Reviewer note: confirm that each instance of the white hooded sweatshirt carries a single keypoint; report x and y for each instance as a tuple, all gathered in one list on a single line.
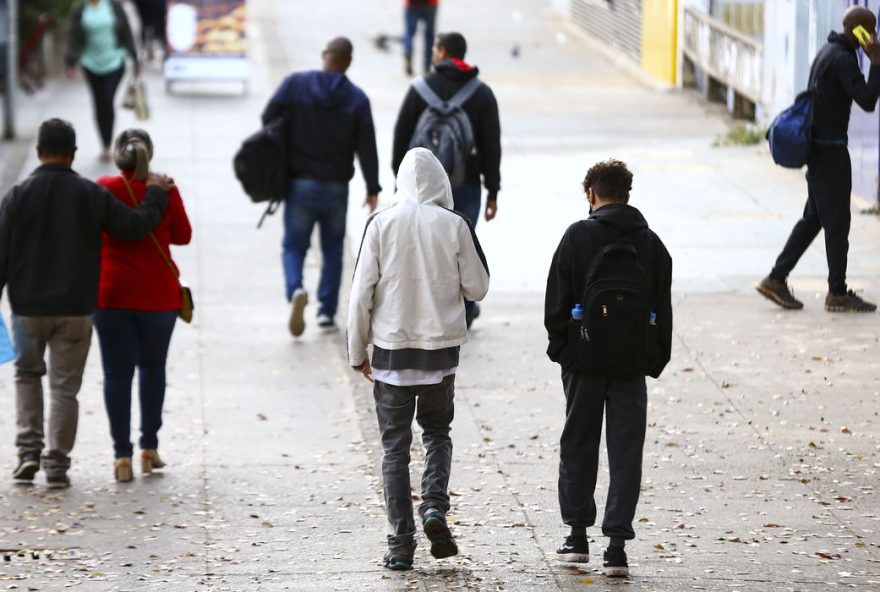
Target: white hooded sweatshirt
[(418, 262)]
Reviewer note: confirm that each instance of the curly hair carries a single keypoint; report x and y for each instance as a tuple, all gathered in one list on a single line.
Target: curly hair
[(610, 179)]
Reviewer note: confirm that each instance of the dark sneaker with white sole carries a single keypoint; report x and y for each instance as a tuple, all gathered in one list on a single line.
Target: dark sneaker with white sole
[(778, 292), (397, 563), (849, 302), (442, 543), (614, 563), (574, 550), (58, 481), (28, 466), (326, 324)]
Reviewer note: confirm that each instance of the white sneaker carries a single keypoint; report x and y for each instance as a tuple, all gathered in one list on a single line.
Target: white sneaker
[(297, 323), (327, 324)]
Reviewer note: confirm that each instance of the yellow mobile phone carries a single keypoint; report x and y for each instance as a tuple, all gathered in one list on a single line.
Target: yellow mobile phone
[(862, 35)]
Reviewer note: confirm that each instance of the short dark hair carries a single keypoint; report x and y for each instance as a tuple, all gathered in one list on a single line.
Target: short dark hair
[(454, 44), (610, 179), (56, 138)]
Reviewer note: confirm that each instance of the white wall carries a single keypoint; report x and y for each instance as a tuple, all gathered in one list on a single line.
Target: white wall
[(563, 6)]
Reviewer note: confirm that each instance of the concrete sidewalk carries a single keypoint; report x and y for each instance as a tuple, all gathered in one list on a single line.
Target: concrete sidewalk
[(761, 458)]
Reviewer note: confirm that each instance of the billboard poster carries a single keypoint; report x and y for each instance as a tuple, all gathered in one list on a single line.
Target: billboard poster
[(206, 40)]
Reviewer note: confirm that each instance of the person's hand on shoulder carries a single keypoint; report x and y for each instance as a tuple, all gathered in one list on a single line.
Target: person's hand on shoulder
[(160, 180)]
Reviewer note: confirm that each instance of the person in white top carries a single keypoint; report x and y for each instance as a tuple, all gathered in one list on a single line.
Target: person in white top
[(418, 262)]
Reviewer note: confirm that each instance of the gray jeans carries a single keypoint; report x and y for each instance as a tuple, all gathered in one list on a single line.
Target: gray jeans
[(432, 406), (68, 340)]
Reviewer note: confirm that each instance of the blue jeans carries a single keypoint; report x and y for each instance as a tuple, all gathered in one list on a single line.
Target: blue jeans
[(413, 15), (129, 339), (466, 199), (324, 203)]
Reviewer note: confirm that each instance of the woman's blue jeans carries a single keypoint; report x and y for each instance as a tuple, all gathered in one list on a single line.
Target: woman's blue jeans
[(324, 203), (132, 339)]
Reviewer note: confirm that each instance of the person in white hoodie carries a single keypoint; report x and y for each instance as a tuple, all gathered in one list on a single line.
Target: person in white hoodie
[(418, 262)]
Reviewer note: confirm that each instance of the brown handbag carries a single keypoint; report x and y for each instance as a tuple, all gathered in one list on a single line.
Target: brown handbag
[(187, 306)]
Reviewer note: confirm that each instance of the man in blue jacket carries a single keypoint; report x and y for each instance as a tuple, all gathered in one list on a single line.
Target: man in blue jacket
[(330, 121), (837, 81), (50, 258)]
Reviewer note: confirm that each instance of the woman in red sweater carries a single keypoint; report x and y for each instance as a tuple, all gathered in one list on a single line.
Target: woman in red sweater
[(138, 300)]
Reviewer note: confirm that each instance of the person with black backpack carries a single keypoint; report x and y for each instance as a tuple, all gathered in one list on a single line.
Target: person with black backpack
[(455, 115), (608, 314), (328, 120)]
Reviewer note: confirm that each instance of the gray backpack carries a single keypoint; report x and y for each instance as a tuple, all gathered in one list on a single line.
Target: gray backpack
[(445, 129)]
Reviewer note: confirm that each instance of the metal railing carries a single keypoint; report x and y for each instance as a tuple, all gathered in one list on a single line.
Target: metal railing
[(725, 54)]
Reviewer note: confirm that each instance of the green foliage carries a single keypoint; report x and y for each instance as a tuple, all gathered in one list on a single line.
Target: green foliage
[(742, 135)]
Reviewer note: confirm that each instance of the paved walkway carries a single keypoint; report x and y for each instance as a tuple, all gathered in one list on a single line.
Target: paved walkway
[(761, 459)]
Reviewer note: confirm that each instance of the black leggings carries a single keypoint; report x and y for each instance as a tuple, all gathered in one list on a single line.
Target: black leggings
[(103, 87)]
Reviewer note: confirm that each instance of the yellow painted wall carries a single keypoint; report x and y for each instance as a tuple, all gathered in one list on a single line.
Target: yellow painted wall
[(660, 38)]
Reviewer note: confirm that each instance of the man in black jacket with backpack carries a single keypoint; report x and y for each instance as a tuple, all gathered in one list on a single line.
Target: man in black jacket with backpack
[(608, 314), (451, 76), (836, 81)]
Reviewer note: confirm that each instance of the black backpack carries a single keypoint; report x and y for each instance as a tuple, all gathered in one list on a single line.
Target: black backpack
[(618, 314), (261, 165), (445, 129)]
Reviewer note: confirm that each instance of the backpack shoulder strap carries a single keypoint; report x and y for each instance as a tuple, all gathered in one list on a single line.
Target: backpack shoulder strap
[(420, 85), (465, 93)]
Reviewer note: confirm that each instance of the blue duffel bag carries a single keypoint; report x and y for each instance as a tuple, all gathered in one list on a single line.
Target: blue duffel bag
[(790, 133)]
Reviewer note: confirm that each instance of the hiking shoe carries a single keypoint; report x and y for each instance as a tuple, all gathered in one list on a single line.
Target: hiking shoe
[(442, 543), (122, 469), (574, 550), (58, 481), (779, 293), (326, 324), (28, 465), (849, 302), (614, 563), (297, 323), (397, 563)]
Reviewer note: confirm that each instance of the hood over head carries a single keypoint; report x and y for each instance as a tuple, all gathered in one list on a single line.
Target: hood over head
[(841, 39), (621, 216), (422, 179), (456, 69)]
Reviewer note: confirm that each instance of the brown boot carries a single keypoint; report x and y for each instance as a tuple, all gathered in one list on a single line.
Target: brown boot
[(849, 302), (122, 469), (150, 460)]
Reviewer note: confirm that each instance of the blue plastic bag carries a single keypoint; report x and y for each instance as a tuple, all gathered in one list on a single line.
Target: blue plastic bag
[(7, 352), (790, 133)]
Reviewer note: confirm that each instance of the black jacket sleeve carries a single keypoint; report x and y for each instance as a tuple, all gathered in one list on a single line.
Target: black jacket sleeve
[(5, 237), (865, 94), (278, 104), (124, 36), (412, 107), (365, 146), (76, 37), (487, 137), (125, 223), (559, 299), (662, 350)]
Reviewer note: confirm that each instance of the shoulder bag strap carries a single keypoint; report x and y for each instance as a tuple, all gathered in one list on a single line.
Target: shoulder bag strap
[(165, 257)]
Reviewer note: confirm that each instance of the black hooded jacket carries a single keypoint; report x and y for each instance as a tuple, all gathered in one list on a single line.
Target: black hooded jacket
[(571, 264), (837, 81), (482, 109)]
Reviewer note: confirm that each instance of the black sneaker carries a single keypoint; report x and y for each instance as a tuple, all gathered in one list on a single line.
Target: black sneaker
[(326, 324), (28, 465), (778, 292), (397, 563), (442, 543), (574, 550), (849, 302), (59, 481), (614, 563), (469, 319)]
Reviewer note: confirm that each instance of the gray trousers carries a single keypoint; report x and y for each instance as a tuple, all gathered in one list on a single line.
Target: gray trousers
[(433, 408), (624, 403), (68, 340)]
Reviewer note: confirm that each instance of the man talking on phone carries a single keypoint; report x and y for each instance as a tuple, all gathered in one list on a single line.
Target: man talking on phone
[(836, 80)]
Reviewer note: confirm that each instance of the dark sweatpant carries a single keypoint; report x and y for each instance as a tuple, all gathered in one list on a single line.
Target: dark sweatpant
[(624, 403), (103, 87), (829, 183)]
